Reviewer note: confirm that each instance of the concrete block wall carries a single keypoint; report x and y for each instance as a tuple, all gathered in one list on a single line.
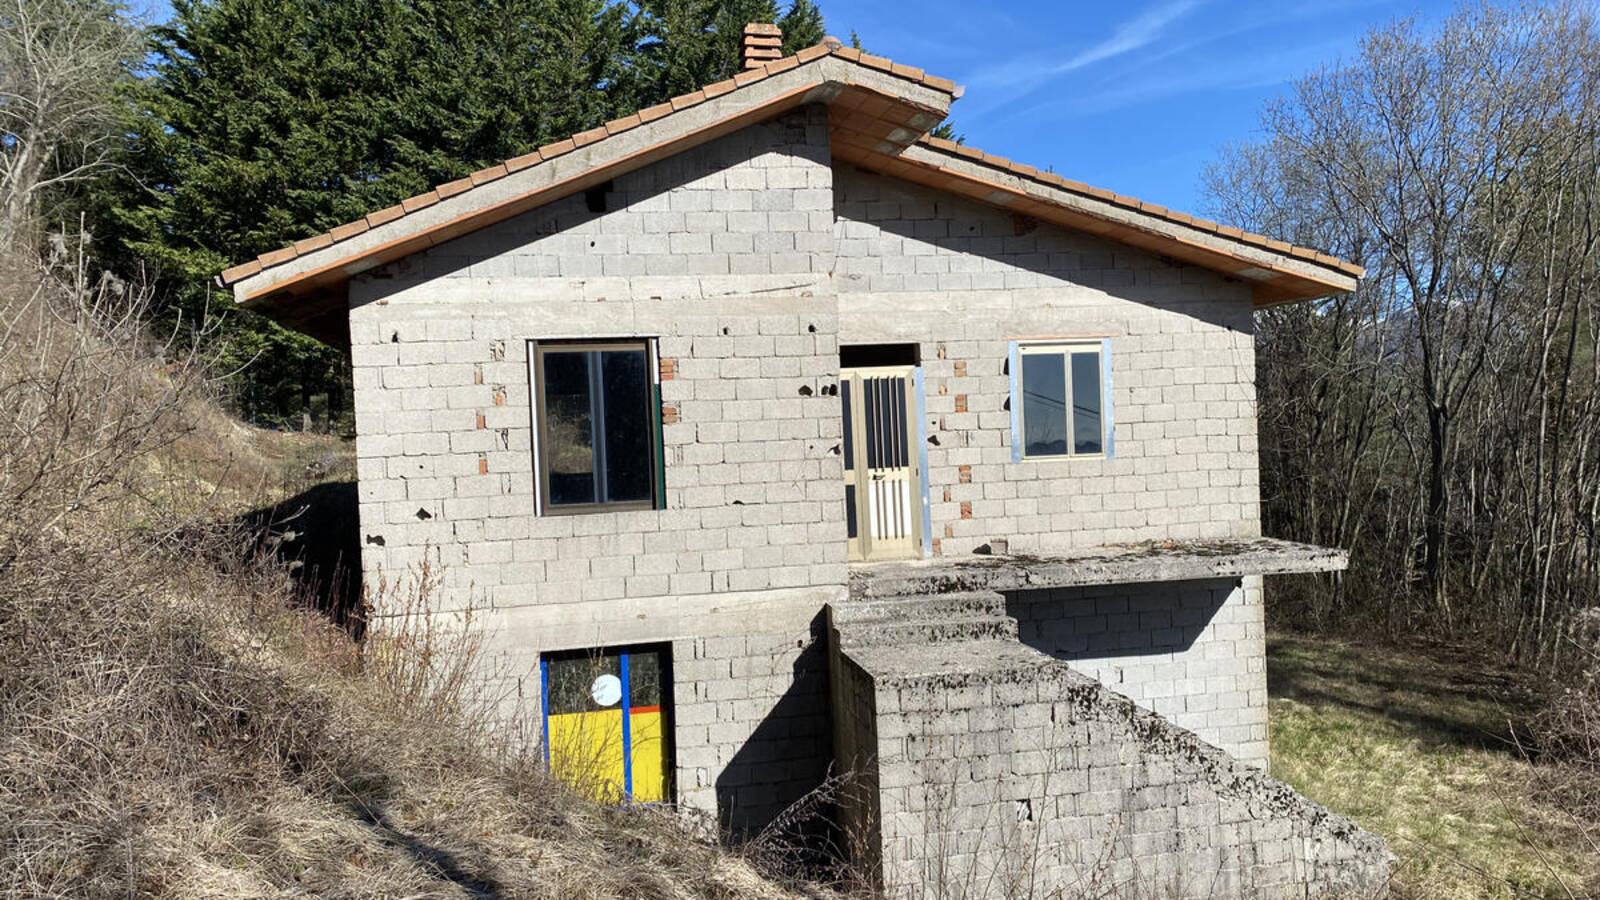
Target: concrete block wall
[(1192, 651), (1002, 772), (721, 254), (961, 279)]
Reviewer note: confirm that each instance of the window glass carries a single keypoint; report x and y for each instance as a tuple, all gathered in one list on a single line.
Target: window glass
[(644, 678), (1044, 404), (626, 437), (597, 431), (568, 428), (1086, 403), (583, 683)]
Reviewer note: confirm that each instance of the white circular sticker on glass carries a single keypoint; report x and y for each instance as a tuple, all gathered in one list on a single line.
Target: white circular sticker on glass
[(606, 690)]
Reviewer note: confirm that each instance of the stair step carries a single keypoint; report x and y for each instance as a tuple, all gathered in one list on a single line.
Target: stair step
[(891, 632), (917, 608)]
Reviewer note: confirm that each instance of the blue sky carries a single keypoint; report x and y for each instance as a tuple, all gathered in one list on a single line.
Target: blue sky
[(1135, 96)]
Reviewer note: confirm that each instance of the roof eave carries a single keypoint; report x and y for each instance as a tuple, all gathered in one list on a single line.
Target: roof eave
[(310, 269)]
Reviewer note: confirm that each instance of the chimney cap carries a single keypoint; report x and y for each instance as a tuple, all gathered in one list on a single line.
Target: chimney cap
[(763, 43)]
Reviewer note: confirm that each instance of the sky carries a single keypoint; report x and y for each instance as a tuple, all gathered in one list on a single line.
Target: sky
[(1135, 96)]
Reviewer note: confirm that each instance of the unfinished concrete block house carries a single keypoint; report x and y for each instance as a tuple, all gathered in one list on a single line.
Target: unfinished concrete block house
[(778, 436)]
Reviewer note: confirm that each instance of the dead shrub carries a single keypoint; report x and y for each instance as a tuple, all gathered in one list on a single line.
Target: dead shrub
[(174, 723)]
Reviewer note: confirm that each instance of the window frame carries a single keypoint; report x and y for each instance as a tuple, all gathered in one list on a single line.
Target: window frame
[(537, 349), (1066, 349)]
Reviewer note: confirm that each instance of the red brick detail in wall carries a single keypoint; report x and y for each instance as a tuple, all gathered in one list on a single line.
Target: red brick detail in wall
[(669, 369), (961, 403), (947, 495), (961, 370), (499, 395), (483, 465), (949, 530), (964, 473), (669, 415), (966, 509), (482, 422), (938, 549), (477, 374)]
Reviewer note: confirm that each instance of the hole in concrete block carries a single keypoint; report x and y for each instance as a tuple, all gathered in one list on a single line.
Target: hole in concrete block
[(424, 515), (805, 390), (375, 539)]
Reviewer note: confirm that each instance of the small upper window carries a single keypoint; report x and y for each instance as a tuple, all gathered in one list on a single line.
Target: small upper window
[(1062, 400), (599, 427)]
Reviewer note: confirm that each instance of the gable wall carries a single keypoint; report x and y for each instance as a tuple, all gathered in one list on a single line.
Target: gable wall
[(961, 279), (721, 252)]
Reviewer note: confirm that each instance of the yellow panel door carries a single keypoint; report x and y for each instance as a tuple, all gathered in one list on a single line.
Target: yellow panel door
[(604, 724)]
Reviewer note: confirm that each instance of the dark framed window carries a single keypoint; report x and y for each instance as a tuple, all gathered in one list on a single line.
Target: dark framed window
[(1061, 393), (598, 420)]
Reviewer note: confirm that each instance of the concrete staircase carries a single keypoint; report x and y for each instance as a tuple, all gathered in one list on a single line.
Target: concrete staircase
[(980, 761), (919, 620)]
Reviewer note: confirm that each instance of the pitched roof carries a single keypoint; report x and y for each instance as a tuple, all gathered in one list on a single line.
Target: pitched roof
[(879, 112)]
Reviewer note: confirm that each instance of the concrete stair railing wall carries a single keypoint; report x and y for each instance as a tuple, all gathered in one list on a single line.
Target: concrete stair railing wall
[(984, 768)]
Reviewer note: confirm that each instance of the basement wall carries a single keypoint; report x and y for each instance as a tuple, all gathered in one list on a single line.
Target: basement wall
[(1192, 651)]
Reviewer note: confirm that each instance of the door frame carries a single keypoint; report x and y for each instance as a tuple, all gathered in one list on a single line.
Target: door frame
[(861, 547)]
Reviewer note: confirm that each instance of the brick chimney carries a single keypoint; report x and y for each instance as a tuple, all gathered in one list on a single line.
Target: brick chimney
[(762, 44)]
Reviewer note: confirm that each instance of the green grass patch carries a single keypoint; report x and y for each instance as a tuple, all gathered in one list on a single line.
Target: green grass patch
[(1416, 746)]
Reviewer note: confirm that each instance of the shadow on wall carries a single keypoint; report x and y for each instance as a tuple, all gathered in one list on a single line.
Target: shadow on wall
[(945, 227), (318, 532), (773, 789), (1110, 621)]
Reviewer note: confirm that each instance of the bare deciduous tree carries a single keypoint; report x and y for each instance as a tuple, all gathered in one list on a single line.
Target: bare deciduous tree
[(1442, 420), (60, 63)]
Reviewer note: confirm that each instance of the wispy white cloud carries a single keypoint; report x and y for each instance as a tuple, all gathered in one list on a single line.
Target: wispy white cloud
[(1136, 32), (1132, 34)]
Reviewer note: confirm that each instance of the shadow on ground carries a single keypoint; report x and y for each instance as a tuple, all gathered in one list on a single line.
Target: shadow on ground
[(1429, 693)]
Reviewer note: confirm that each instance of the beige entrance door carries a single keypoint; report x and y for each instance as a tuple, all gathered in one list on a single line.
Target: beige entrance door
[(883, 489)]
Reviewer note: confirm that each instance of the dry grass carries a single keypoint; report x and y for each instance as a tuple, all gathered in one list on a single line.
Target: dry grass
[(173, 723), (1416, 745)]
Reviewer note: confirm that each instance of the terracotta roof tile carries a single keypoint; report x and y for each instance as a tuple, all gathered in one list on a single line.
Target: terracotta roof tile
[(718, 88), (349, 230), (243, 270), (617, 126), (484, 176), (281, 255), (518, 163), (420, 201), (782, 65), (316, 242), (814, 52), (585, 138), (387, 214), (452, 188), (553, 150), (685, 101)]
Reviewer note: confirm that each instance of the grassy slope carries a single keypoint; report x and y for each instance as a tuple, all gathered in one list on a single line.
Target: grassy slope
[(1415, 745)]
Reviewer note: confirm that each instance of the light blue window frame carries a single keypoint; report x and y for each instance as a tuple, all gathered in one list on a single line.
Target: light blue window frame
[(1067, 347)]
